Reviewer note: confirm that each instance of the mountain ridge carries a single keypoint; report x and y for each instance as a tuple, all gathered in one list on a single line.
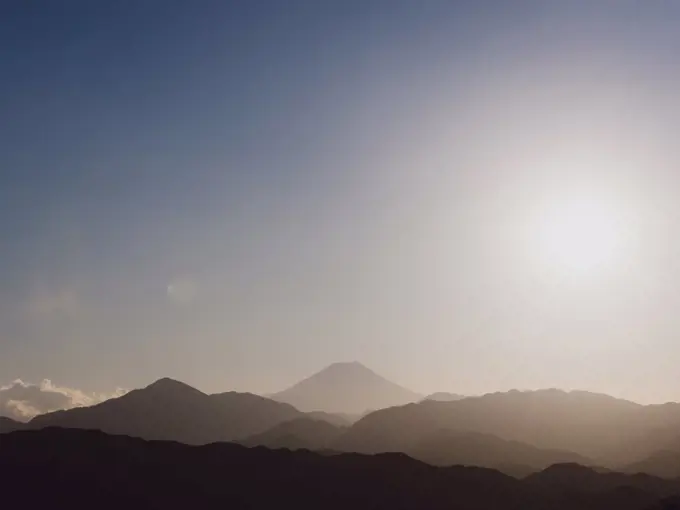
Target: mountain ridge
[(517, 432), (444, 396), (299, 433), (172, 410), (448, 448), (610, 431), (119, 471)]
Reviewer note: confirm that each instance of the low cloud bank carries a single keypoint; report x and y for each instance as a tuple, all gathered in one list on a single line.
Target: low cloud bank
[(22, 401)]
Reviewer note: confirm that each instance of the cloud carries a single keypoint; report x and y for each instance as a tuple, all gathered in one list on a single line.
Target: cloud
[(22, 401), (20, 409)]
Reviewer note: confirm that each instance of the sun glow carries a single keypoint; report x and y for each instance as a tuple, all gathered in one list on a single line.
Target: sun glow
[(579, 235)]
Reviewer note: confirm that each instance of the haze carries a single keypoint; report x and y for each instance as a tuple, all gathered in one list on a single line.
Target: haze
[(464, 196)]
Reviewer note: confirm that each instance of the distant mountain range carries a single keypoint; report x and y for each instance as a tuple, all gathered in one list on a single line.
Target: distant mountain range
[(610, 431), (449, 448), (78, 469), (664, 464), (518, 433), (444, 448)]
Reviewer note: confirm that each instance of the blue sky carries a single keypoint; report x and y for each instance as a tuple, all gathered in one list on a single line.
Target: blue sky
[(239, 193)]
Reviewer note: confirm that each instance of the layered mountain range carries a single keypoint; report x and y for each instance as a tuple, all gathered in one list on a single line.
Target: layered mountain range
[(518, 433), (79, 469)]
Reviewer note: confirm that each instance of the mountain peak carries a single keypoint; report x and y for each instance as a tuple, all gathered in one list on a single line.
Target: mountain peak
[(443, 396), (347, 368), (166, 384), (346, 364), (564, 474), (348, 387), (568, 467), (171, 410)]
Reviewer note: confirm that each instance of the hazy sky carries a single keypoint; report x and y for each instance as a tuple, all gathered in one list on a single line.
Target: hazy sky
[(237, 194)]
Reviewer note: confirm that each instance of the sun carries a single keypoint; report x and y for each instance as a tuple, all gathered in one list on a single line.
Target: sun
[(579, 234)]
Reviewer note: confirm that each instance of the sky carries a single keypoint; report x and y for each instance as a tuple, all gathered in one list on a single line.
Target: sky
[(466, 196)]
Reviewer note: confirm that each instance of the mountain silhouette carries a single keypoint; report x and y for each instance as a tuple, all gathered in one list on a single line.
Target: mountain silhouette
[(80, 469), (443, 396), (447, 448), (664, 464), (345, 388), (337, 419), (570, 477), (301, 433), (670, 503), (515, 432), (172, 410), (10, 425), (612, 432)]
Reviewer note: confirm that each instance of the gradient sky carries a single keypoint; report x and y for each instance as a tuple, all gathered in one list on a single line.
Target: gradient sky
[(238, 193)]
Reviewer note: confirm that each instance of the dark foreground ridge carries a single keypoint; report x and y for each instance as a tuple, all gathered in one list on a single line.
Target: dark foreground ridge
[(78, 469), (9, 425)]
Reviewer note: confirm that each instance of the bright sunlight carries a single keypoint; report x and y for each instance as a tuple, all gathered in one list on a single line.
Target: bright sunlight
[(579, 235)]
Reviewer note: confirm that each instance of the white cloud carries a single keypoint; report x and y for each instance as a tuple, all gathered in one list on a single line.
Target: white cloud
[(22, 401), (20, 409)]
